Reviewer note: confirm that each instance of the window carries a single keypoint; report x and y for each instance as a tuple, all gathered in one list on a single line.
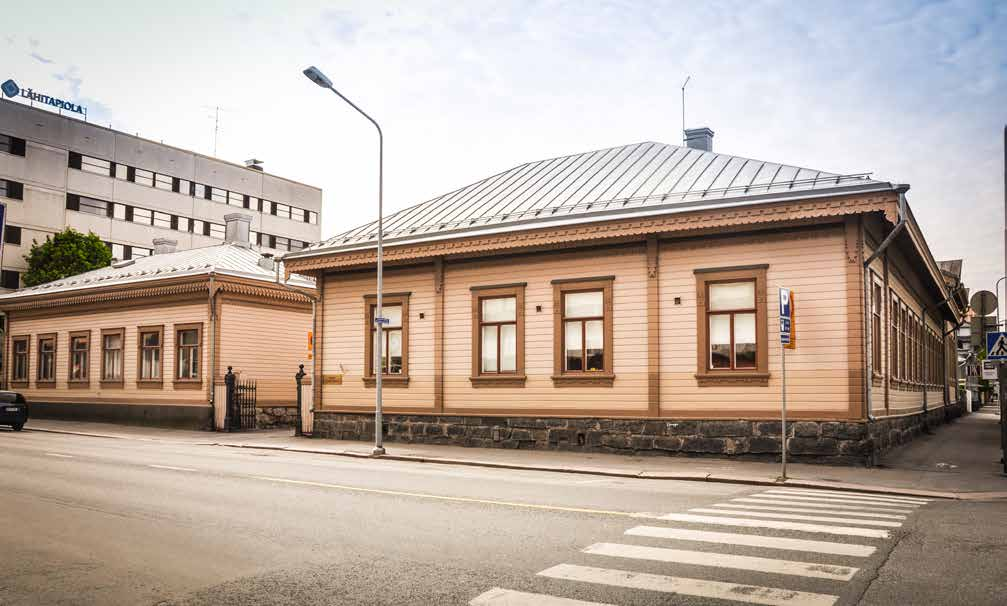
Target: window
[(142, 215), (218, 195), (150, 360), (80, 358), (139, 251), (112, 355), (188, 340), (235, 199), (395, 336), (19, 367), (877, 304), (12, 145), (296, 245), (119, 211), (281, 210), (10, 279), (200, 191), (11, 189), (96, 166), (731, 318), (46, 359), (582, 314), (498, 334), (280, 243), (164, 182), (73, 160), (216, 230), (93, 207), (903, 345), (122, 172), (12, 235), (893, 336), (162, 220)]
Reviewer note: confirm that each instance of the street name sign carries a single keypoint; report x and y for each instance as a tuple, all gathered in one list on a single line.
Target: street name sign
[(996, 345)]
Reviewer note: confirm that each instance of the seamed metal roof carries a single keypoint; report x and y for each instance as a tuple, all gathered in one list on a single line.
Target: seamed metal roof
[(638, 179), (226, 259)]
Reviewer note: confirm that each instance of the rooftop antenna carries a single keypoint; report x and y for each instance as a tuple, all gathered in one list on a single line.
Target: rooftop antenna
[(687, 78), (216, 129)]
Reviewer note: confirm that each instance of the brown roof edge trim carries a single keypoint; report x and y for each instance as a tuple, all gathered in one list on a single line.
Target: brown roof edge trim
[(492, 286), (588, 279), (710, 270)]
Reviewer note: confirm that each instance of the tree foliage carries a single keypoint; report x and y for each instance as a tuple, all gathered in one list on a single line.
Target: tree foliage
[(65, 253)]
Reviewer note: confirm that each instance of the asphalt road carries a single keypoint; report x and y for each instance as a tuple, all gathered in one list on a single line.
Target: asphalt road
[(104, 521)]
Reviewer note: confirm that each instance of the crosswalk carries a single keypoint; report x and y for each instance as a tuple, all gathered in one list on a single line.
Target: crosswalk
[(794, 538)]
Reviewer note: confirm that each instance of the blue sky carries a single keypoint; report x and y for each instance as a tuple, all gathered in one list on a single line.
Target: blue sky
[(914, 92)]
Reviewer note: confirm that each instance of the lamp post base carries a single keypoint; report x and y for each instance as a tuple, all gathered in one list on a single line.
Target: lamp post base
[(378, 451)]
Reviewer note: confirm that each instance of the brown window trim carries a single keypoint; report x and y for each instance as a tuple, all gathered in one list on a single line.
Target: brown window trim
[(177, 382), (560, 377), (140, 381), (517, 377), (754, 376), (877, 326), (113, 383), (27, 362), (387, 380), (86, 381), (38, 361)]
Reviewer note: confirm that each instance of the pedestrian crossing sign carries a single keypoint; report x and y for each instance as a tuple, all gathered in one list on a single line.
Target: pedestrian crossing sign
[(996, 346)]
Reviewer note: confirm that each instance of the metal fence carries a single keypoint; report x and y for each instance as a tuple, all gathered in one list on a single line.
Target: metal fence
[(241, 400)]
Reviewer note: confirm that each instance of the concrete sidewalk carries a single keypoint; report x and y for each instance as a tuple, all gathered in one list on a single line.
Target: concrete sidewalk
[(958, 461)]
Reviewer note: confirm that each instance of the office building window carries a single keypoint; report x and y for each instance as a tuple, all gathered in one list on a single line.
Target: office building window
[(216, 231), (10, 279), (139, 251), (297, 245), (150, 358), (187, 352), (119, 211), (19, 368), (122, 172), (162, 220), (97, 166), (235, 199), (281, 243), (312, 217), (142, 215), (12, 145), (164, 182), (88, 205), (73, 160), (112, 354), (46, 359), (143, 177), (246, 201), (218, 195), (12, 235), (80, 358), (281, 210), (11, 189)]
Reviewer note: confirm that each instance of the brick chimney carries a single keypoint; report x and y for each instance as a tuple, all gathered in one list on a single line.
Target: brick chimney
[(236, 227), (163, 246)]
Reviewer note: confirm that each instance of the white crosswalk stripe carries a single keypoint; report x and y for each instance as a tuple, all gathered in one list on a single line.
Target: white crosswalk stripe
[(874, 533), (827, 499), (507, 597), (853, 499), (796, 516), (752, 594), (855, 514), (723, 560), (845, 493), (770, 501), (752, 540)]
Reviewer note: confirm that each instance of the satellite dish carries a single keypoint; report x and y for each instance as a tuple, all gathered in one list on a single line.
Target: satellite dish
[(984, 303)]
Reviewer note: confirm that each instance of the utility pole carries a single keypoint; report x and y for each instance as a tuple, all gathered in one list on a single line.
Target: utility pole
[(1002, 367)]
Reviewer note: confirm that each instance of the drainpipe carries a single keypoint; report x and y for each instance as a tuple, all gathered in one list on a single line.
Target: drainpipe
[(211, 301), (868, 366)]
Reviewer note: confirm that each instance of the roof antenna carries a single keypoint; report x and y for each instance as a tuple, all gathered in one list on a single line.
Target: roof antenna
[(687, 78)]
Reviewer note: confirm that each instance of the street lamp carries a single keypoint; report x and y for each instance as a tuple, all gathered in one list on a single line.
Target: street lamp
[(315, 75)]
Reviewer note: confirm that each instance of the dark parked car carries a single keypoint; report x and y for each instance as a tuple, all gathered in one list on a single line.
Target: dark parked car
[(13, 409)]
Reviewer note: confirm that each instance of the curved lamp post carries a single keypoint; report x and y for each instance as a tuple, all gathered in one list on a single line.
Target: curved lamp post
[(315, 75)]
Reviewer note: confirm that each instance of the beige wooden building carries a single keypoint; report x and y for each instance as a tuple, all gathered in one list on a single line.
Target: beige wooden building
[(624, 300), (149, 340)]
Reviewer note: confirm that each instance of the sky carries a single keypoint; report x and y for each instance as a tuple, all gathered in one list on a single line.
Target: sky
[(913, 92)]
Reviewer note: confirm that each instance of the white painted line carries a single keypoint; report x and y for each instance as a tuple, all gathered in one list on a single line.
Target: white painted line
[(844, 498), (172, 468), (831, 500), (856, 514), (777, 524), (765, 501), (846, 493), (56, 454), (795, 516), (753, 540), (752, 594), (723, 560), (507, 597)]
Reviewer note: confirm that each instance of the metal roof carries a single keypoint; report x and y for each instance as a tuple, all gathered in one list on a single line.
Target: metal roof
[(642, 178), (226, 259)]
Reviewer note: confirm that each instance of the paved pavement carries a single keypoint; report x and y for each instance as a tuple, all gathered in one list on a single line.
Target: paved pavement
[(127, 521)]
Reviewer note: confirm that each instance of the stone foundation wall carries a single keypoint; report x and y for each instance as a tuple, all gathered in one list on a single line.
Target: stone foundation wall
[(888, 433), (276, 416)]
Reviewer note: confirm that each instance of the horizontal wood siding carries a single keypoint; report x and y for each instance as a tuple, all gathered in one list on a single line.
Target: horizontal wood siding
[(813, 264), (265, 343), (129, 318)]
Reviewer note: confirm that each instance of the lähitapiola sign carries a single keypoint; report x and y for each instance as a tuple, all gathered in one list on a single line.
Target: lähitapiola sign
[(11, 89)]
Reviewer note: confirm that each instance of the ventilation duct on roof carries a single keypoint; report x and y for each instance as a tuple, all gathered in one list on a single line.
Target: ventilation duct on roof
[(163, 246), (699, 138), (236, 227), (267, 262)]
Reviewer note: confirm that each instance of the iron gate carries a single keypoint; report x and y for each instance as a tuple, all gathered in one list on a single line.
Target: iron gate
[(241, 398)]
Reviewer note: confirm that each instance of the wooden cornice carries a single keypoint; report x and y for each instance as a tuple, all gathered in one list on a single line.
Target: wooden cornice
[(725, 219)]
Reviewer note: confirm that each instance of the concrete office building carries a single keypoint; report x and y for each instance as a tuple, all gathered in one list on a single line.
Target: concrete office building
[(58, 172)]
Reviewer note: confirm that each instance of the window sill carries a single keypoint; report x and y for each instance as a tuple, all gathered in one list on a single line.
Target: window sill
[(111, 384), (79, 384), (587, 379), (20, 384), (149, 385), (388, 381), (498, 380), (45, 384), (187, 384), (733, 378)]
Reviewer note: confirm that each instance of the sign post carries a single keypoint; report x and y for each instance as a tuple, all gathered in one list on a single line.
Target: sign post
[(787, 341)]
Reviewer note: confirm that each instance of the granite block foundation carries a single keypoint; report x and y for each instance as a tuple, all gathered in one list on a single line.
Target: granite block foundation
[(275, 416)]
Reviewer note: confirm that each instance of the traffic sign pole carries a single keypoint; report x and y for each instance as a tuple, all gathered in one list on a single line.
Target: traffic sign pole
[(783, 412), (786, 299)]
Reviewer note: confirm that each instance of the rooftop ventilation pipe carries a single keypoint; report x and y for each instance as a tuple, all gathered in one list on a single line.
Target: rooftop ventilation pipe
[(699, 138)]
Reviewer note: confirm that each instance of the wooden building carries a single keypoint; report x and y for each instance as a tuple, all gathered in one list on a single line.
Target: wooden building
[(624, 300), (149, 340)]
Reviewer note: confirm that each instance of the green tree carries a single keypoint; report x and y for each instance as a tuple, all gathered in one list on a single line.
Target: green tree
[(66, 253)]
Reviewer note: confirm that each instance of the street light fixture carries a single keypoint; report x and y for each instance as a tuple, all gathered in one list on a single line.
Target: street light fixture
[(315, 75)]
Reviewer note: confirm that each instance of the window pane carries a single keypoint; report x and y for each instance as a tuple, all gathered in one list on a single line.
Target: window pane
[(594, 337), (736, 295), (489, 349), (500, 310), (744, 341), (508, 348), (188, 337), (573, 350), (151, 339), (583, 304), (395, 351), (394, 315), (144, 177), (720, 341), (121, 171)]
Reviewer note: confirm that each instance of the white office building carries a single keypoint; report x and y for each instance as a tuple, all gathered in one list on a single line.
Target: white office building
[(58, 172)]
